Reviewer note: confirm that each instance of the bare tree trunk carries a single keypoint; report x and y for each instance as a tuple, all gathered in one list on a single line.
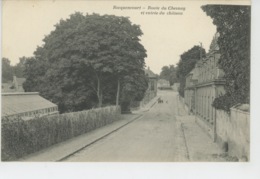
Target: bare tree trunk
[(100, 101), (118, 91), (99, 92)]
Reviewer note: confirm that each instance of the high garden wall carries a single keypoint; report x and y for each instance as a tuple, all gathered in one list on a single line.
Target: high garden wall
[(233, 132)]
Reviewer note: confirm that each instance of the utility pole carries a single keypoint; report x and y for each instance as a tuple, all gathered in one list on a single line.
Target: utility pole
[(200, 50)]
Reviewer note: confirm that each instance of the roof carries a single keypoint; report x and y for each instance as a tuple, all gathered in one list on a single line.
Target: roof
[(149, 73), (16, 103)]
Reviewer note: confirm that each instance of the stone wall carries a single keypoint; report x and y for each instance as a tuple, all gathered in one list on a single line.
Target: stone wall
[(233, 132)]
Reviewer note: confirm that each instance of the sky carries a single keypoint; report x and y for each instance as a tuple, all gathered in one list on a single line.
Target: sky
[(165, 37)]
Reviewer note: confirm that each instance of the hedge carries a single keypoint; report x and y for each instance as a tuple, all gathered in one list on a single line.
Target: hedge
[(23, 137)]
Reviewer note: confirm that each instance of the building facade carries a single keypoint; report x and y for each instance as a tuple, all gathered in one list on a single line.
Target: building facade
[(162, 83), (203, 84)]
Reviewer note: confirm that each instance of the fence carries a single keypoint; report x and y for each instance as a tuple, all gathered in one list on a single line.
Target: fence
[(20, 137)]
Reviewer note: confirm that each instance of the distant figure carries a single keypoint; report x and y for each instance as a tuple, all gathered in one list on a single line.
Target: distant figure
[(160, 100)]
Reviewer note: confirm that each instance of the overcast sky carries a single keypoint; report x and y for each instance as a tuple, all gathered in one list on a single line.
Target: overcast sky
[(166, 37)]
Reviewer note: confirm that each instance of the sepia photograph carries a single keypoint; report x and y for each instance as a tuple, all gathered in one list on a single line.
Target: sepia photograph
[(125, 81), (161, 87), (130, 82)]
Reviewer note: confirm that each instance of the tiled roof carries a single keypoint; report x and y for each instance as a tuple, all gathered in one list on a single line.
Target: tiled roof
[(16, 103)]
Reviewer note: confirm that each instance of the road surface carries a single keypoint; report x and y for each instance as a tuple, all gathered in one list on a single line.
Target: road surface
[(155, 137)]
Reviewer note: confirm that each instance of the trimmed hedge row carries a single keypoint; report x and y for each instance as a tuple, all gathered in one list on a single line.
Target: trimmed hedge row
[(22, 137)]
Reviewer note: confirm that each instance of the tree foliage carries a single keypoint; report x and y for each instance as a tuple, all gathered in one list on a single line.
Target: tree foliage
[(20, 67), (187, 63), (7, 71), (84, 61), (233, 25), (169, 73)]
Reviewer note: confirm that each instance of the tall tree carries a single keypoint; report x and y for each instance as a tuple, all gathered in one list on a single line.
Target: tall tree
[(20, 67), (83, 57), (169, 73), (187, 63), (7, 70), (233, 25), (134, 88)]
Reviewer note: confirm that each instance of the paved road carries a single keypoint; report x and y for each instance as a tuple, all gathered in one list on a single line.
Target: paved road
[(156, 137)]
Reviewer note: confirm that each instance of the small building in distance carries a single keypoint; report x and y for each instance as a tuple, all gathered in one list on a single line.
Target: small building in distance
[(26, 105), (18, 84), (14, 86), (152, 84), (162, 83), (176, 87), (8, 87), (151, 91)]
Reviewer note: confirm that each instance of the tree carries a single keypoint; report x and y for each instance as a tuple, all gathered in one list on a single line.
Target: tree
[(187, 63), (20, 67), (169, 73), (233, 25), (34, 72), (86, 58), (134, 88), (7, 70)]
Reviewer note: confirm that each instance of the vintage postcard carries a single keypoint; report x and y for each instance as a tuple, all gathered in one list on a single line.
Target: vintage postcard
[(126, 81)]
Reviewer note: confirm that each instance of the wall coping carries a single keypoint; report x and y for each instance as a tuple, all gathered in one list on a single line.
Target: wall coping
[(208, 83), (239, 110)]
